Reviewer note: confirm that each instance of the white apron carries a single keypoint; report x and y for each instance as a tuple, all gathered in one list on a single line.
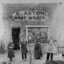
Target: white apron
[(51, 48)]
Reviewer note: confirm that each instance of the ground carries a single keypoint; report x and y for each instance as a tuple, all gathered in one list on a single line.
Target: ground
[(18, 59)]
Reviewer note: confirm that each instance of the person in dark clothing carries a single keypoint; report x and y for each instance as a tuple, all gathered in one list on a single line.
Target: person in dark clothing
[(23, 49), (38, 49), (10, 50)]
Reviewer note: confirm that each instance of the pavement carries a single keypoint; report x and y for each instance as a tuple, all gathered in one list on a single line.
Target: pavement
[(18, 59)]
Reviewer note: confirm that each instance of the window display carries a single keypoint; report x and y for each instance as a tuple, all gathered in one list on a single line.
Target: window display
[(37, 33), (33, 36)]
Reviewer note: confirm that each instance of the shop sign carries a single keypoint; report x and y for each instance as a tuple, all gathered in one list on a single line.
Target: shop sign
[(30, 15)]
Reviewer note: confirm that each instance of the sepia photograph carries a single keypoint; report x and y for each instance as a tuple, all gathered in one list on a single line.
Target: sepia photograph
[(31, 31)]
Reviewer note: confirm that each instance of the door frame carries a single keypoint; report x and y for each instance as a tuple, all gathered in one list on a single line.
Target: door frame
[(15, 28)]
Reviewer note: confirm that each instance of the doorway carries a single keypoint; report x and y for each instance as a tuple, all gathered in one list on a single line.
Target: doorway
[(15, 37)]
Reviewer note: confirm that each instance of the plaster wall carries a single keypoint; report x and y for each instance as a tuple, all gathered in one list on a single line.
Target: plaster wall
[(57, 26)]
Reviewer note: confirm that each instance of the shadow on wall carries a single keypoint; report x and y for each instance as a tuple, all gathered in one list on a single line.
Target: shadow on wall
[(2, 47)]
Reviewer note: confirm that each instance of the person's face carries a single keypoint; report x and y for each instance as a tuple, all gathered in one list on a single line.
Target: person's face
[(50, 44), (37, 36), (51, 38)]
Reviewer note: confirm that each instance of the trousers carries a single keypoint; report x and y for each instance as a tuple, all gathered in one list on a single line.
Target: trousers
[(48, 56)]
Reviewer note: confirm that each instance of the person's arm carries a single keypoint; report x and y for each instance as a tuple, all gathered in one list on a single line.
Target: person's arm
[(13, 45), (26, 42), (48, 41), (20, 44), (8, 46)]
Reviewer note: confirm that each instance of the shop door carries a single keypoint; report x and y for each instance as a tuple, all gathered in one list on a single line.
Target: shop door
[(15, 37)]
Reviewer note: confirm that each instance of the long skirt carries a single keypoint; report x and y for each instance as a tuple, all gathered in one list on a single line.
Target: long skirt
[(37, 54), (11, 53)]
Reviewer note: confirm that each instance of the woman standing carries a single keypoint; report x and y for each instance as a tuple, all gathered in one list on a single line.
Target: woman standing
[(38, 48), (10, 50), (38, 51), (23, 48), (51, 49)]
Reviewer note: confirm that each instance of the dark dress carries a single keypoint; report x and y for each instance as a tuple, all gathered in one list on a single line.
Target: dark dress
[(10, 50), (38, 50)]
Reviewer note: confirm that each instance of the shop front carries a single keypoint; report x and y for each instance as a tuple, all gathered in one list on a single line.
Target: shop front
[(32, 16), (32, 31), (29, 20)]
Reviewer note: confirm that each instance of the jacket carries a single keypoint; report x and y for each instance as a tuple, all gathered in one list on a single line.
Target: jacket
[(51, 47)]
